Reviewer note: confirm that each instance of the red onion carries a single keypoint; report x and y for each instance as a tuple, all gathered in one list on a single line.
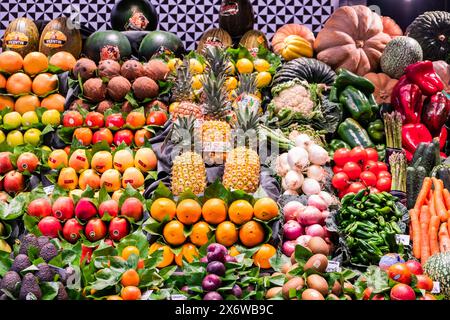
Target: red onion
[(289, 247), (291, 209), (316, 201), (315, 230), (311, 215), (292, 230)]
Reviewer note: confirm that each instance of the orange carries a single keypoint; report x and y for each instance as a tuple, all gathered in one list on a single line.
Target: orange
[(251, 234), (214, 211), (234, 252), (18, 83), (128, 251), (200, 233), (2, 81), (163, 207), (34, 63), (45, 83), (265, 209), (189, 211), (10, 61), (114, 297), (240, 211), (6, 102), (188, 253), (262, 257), (63, 60), (27, 103), (130, 293), (173, 232), (226, 233), (83, 135), (130, 278), (167, 254), (54, 101)]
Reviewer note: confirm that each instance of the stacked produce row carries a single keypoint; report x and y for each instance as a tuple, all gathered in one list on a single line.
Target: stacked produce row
[(313, 167)]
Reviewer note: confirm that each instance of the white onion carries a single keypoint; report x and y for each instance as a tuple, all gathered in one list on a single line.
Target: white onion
[(290, 193), (316, 172), (282, 165), (315, 230), (318, 155), (291, 209), (303, 140), (316, 201), (293, 180), (328, 198), (298, 159), (310, 186)]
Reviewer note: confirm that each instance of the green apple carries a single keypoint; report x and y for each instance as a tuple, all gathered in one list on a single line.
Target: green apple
[(12, 120), (2, 136), (51, 117), (14, 138), (30, 118), (32, 136)]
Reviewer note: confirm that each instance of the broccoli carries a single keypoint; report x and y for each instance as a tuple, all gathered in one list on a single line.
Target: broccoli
[(62, 293), (48, 252), (42, 241), (29, 240), (21, 262), (45, 273), (11, 282), (30, 288)]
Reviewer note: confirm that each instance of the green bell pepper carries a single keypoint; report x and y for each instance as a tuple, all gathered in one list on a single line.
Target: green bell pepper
[(376, 131), (356, 104), (351, 132), (381, 149), (374, 105), (346, 78), (338, 144)]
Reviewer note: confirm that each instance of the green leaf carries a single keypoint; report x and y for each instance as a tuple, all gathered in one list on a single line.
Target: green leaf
[(15, 208), (58, 192), (101, 146), (105, 278), (167, 272), (187, 194), (48, 128), (54, 69), (31, 224), (260, 193), (103, 195), (49, 290), (162, 192), (278, 261), (154, 259), (66, 134), (5, 262), (6, 230), (302, 254), (131, 99), (137, 239), (154, 227), (241, 195), (130, 192), (216, 190)]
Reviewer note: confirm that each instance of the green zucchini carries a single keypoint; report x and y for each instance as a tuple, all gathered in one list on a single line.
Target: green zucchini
[(429, 158), (421, 174), (411, 181), (419, 152), (444, 175), (437, 151)]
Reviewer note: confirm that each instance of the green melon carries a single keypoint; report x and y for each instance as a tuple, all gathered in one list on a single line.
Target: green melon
[(102, 45), (159, 42), (138, 15), (437, 268), (399, 53), (21, 36), (60, 35)]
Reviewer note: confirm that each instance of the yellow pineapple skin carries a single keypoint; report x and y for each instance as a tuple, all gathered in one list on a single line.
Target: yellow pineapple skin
[(186, 109), (242, 170), (216, 138), (188, 172)]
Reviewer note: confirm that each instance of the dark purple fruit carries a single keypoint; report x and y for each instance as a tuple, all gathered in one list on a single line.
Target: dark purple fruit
[(216, 252), (211, 282), (230, 259), (236, 291), (216, 267), (212, 296)]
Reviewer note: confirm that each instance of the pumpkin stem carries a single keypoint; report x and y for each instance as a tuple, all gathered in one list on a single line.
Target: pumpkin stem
[(359, 43), (442, 37)]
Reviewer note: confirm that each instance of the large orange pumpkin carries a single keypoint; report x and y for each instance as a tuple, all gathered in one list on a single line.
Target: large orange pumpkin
[(293, 41), (383, 86), (353, 39), (391, 27)]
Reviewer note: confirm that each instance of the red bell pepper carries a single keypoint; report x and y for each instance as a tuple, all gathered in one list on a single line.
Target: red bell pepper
[(407, 100), (435, 112), (413, 134), (443, 137), (409, 155), (423, 75)]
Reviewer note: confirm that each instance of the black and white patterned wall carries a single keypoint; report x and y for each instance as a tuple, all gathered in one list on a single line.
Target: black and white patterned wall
[(187, 18)]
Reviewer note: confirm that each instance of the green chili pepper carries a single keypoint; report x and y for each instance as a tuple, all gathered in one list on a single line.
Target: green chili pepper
[(381, 221), (395, 227), (360, 195), (354, 211), (384, 210), (375, 198), (347, 199)]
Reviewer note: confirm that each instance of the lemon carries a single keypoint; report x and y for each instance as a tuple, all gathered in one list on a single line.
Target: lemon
[(51, 117), (12, 120), (173, 63), (2, 136), (195, 66), (197, 82), (263, 79), (261, 65), (30, 118), (244, 66), (173, 106), (32, 136), (14, 138), (231, 83)]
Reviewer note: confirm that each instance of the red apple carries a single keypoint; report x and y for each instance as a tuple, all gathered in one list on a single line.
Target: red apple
[(72, 119), (400, 273), (39, 208), (103, 134), (94, 120), (415, 267), (424, 282), (95, 230), (132, 208), (13, 182), (27, 161), (63, 208), (109, 206), (5, 162), (123, 136), (72, 230), (85, 209), (118, 228), (114, 121), (402, 291), (50, 227)]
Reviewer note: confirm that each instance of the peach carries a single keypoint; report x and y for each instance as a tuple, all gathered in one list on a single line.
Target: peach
[(83, 135), (68, 178), (134, 177), (103, 134), (5, 162), (85, 209), (109, 206), (145, 160), (63, 208), (123, 159), (94, 120), (110, 180), (72, 119), (136, 119), (117, 195), (57, 159), (132, 208), (89, 178), (114, 121), (140, 136), (101, 161), (13, 182), (27, 161), (123, 136), (40, 207), (79, 160)]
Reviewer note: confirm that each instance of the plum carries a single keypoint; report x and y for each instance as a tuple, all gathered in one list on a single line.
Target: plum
[(216, 267), (213, 295), (230, 259), (211, 282), (236, 291), (216, 252)]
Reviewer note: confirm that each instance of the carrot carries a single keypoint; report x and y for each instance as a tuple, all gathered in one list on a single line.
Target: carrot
[(433, 230), (448, 225), (432, 204), (439, 202), (446, 194), (444, 238), (426, 187), (424, 240), (415, 227)]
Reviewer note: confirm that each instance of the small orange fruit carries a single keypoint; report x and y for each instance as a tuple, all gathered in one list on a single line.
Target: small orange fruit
[(163, 207), (10, 61), (189, 211), (27, 103), (114, 297), (240, 211), (130, 293), (130, 278), (54, 102), (6, 102), (262, 257), (200, 233), (173, 232), (63, 60), (34, 63), (83, 135), (214, 211), (265, 209), (168, 255), (128, 251), (251, 234), (188, 253), (234, 252), (226, 233), (18, 83), (2, 81), (45, 83)]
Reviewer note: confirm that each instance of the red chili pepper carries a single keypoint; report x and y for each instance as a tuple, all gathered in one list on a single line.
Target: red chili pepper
[(422, 74), (413, 134), (407, 99), (443, 137), (435, 112)]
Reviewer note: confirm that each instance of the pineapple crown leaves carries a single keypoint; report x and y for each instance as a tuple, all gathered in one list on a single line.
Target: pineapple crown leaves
[(247, 126), (217, 61), (216, 103), (182, 80), (183, 128), (247, 84)]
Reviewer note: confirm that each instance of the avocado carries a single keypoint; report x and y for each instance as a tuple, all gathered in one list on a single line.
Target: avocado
[(45, 273), (30, 288), (48, 252), (11, 282), (29, 240), (42, 241), (20, 263), (62, 293)]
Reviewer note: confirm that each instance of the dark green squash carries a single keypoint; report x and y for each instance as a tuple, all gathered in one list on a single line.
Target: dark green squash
[(253, 39), (308, 69), (159, 42), (21, 36), (432, 31), (236, 17), (214, 37), (139, 15), (60, 35), (110, 44)]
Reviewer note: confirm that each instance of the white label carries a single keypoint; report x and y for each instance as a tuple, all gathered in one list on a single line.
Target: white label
[(402, 239), (333, 266), (216, 147), (146, 295), (49, 189), (178, 297), (436, 287)]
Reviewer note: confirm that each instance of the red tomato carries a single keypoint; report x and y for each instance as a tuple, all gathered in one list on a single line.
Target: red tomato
[(156, 118), (382, 166), (372, 154), (358, 155), (352, 169), (341, 156), (374, 190), (337, 169), (383, 174), (368, 178), (340, 181), (355, 187), (384, 184), (371, 166), (400, 273)]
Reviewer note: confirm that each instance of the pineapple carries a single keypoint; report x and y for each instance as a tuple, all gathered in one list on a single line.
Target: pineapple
[(242, 167), (246, 93), (188, 169)]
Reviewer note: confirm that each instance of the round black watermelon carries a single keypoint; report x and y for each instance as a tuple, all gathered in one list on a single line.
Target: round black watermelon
[(139, 15), (102, 40), (160, 42)]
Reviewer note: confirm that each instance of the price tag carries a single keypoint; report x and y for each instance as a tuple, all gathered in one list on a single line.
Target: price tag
[(402, 239), (333, 266), (436, 287), (178, 297), (49, 189)]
